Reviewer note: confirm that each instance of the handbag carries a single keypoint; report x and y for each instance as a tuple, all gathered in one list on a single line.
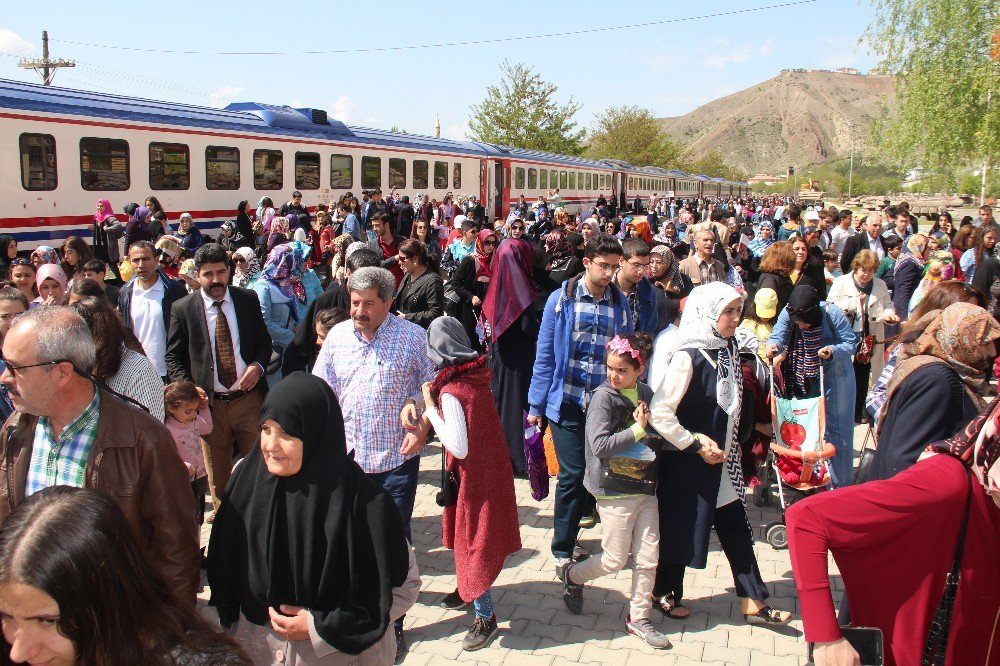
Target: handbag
[(936, 645), (868, 642), (867, 457), (448, 495), (865, 349)]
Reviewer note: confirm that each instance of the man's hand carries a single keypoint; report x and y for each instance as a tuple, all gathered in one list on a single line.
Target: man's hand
[(535, 421), (409, 418), (413, 442), (250, 377), (292, 622)]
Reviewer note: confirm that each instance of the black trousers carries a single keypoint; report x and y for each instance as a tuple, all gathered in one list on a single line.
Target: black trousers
[(862, 375), (731, 526)]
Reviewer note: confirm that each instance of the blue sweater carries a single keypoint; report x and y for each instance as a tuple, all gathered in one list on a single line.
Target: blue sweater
[(545, 395)]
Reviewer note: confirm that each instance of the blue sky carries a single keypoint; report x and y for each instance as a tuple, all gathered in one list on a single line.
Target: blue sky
[(671, 68)]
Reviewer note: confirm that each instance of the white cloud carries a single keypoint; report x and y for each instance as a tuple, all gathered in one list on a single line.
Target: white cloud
[(224, 95), (11, 42), (344, 109), (764, 48), (722, 53), (459, 131)]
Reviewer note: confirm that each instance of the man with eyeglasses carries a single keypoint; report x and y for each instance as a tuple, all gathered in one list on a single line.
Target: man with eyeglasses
[(579, 320), (634, 282), (69, 432), (12, 303)]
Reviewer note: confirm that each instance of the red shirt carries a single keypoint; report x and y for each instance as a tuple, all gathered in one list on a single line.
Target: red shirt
[(389, 251), (894, 542)]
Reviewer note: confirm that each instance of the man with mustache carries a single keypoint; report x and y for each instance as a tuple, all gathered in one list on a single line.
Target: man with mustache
[(376, 363), (218, 340)]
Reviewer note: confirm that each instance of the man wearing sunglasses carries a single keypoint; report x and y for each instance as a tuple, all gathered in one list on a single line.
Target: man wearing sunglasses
[(70, 432)]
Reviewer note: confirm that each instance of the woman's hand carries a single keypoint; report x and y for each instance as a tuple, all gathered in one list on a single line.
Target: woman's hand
[(476, 301), (292, 622), (641, 414), (710, 451), (825, 352), (425, 389), (835, 653)]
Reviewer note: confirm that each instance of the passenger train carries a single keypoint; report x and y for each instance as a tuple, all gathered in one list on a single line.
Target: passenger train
[(69, 148)]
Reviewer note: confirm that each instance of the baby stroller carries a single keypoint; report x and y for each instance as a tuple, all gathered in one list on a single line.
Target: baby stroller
[(798, 453)]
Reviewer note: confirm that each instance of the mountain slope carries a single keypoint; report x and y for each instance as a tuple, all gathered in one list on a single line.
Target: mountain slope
[(796, 118)]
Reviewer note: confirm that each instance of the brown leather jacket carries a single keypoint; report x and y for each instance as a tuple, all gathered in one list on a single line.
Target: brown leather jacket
[(134, 461)]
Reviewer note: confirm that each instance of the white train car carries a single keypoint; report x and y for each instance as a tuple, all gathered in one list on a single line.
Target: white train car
[(67, 149)]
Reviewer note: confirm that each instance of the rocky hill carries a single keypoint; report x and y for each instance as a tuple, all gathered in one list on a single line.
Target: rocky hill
[(799, 117)]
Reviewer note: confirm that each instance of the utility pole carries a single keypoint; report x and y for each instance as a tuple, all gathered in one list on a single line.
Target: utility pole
[(850, 175), (47, 68)]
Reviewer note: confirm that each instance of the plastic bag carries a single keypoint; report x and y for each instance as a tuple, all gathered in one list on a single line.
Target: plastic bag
[(534, 454)]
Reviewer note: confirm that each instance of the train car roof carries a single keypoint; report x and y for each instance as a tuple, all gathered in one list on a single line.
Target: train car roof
[(508, 152), (239, 117)]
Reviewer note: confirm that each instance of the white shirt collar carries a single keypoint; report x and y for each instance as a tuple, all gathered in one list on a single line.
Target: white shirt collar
[(209, 301)]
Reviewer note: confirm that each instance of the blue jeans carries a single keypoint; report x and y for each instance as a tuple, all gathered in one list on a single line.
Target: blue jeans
[(401, 483), (568, 438), (484, 605)]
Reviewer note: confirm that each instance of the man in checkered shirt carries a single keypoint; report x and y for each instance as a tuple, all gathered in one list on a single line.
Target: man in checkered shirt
[(580, 318)]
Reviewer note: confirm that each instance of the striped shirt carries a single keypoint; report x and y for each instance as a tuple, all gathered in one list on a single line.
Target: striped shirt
[(62, 460), (593, 329), (372, 381)]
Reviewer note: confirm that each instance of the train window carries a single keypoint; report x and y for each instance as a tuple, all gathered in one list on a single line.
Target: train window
[(543, 179), (506, 178), (553, 179), (169, 166), (563, 180), (420, 177), (579, 180), (532, 179), (222, 168), (307, 171), (518, 178), (572, 180), (341, 172), (456, 180), (440, 175), (371, 172), (38, 162), (268, 169), (590, 182), (397, 173), (104, 165)]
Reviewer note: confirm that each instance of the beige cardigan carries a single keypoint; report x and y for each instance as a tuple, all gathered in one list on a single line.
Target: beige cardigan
[(846, 296)]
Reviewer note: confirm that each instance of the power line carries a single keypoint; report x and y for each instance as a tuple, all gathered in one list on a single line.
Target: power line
[(497, 40)]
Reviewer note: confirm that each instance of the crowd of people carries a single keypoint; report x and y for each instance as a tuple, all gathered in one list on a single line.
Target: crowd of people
[(292, 371)]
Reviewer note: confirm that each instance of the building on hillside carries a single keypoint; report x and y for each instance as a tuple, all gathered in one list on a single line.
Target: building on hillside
[(764, 178)]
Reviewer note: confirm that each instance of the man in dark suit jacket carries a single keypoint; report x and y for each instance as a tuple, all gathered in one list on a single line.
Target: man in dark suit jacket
[(870, 238), (232, 375)]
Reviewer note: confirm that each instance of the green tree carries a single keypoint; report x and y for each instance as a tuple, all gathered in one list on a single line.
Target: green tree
[(522, 112), (939, 51), (713, 164), (632, 134)]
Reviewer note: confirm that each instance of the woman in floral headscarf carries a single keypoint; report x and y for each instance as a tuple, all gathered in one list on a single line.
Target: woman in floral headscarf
[(279, 233), (305, 282), (246, 266), (908, 272), (276, 290), (43, 254), (562, 262), (940, 383)]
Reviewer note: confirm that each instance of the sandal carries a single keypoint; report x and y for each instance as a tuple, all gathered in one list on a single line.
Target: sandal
[(672, 609), (768, 615)]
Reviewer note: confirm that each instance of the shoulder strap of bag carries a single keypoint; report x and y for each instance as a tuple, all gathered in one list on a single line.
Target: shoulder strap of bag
[(936, 645)]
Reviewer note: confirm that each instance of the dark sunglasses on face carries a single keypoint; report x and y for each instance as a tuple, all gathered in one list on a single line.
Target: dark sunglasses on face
[(489, 243), (518, 227)]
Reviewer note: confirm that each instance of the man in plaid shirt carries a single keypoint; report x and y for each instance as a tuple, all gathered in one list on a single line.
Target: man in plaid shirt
[(374, 364), (580, 318)]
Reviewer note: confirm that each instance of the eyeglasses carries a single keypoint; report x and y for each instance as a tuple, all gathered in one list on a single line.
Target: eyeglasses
[(16, 369), (240, 260), (517, 227), (606, 268), (638, 267), (489, 243)]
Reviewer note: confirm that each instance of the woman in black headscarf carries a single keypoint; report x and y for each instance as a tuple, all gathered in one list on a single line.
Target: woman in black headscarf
[(8, 253), (304, 545), (244, 227)]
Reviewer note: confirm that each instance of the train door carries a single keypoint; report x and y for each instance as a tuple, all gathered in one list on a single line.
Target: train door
[(504, 190)]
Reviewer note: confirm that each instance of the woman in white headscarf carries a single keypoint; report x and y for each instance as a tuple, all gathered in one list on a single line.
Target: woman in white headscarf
[(246, 266), (696, 409)]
